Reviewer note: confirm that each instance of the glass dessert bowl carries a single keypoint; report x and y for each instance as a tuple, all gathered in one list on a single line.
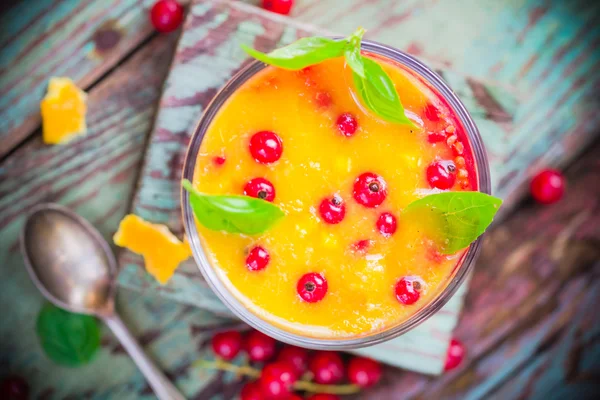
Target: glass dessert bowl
[(344, 267)]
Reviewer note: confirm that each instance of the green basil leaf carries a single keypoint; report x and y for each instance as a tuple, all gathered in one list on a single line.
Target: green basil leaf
[(352, 52), (234, 214), (67, 339), (459, 217), (301, 53), (378, 94)]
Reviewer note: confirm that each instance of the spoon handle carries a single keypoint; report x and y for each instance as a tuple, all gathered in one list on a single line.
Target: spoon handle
[(163, 388)]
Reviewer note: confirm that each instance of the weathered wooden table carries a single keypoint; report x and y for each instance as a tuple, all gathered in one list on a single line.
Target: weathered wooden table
[(531, 323)]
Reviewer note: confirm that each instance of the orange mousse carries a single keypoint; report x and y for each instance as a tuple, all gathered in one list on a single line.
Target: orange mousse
[(343, 262)]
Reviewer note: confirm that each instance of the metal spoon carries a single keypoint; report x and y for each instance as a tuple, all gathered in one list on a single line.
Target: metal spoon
[(73, 267)]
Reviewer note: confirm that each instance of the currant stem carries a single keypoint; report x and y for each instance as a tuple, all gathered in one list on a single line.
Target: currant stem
[(244, 370), (328, 389), (247, 370)]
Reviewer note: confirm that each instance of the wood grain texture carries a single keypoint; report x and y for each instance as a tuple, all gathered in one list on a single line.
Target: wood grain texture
[(207, 56), (79, 39)]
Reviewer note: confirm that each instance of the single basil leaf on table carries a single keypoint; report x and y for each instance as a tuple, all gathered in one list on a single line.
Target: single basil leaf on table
[(67, 339), (233, 213), (378, 94), (300, 54), (352, 53), (461, 217)]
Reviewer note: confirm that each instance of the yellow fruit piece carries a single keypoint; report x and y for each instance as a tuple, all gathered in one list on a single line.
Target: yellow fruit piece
[(63, 111), (162, 251)]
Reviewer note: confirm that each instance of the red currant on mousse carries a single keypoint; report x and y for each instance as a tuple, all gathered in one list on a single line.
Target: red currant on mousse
[(260, 188), (548, 186), (364, 372), (347, 124), (327, 367), (227, 345), (251, 391), (432, 113), (257, 259), (441, 174), (312, 287), (276, 380), (323, 396), (408, 291), (361, 246), (332, 210), (295, 356), (166, 15), (387, 224), (259, 346), (219, 160), (278, 6), (266, 147), (370, 189), (455, 355)]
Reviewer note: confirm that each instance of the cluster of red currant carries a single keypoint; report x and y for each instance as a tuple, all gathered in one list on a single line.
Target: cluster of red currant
[(288, 369)]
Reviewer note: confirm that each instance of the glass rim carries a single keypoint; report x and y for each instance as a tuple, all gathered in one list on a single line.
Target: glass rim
[(209, 273)]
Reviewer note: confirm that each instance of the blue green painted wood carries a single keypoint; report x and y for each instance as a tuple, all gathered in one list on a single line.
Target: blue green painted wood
[(79, 39), (95, 177)]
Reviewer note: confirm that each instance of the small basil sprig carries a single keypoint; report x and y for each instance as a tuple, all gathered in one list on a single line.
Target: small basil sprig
[(460, 216), (232, 213), (352, 53), (301, 53), (67, 339), (378, 93), (375, 88)]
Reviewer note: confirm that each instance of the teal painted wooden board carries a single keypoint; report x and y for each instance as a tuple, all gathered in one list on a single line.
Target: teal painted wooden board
[(208, 55), (79, 39)]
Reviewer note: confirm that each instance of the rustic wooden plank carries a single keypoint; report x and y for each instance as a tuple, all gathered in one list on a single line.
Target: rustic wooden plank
[(95, 177), (79, 39)]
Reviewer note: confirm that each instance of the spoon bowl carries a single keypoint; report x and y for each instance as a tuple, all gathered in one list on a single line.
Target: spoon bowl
[(69, 261), (72, 265)]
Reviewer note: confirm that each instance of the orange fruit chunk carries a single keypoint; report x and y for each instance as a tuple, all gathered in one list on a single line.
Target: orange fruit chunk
[(63, 111), (162, 251)]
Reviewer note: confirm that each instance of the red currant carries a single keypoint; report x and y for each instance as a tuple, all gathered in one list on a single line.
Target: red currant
[(332, 210), (327, 367), (548, 186), (323, 396), (364, 372), (408, 291), (455, 355), (295, 356), (347, 124), (259, 346), (14, 388), (436, 137), (386, 224), (276, 380), (257, 259), (227, 345), (219, 160), (370, 190), (278, 6), (266, 147), (166, 15), (441, 174), (312, 287), (251, 391), (260, 188), (323, 99), (361, 246), (432, 113)]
